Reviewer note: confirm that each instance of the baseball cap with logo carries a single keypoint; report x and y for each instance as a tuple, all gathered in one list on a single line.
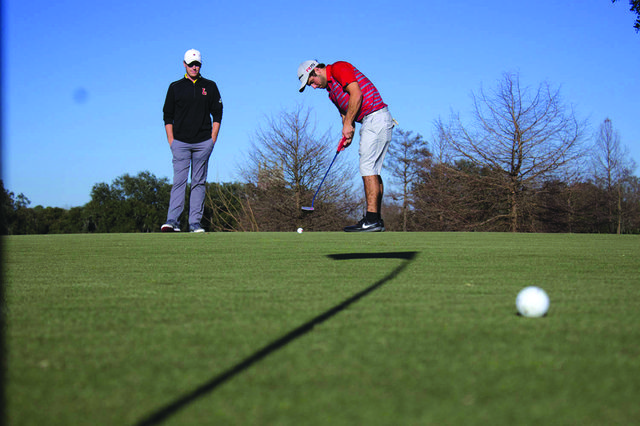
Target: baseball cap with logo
[(304, 69), (192, 55)]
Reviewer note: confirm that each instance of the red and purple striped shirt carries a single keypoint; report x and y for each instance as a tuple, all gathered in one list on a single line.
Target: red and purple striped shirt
[(339, 76)]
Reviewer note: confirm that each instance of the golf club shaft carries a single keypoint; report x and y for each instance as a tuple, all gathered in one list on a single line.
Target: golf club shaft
[(325, 176), (340, 148)]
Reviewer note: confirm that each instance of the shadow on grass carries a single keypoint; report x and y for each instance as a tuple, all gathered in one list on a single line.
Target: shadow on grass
[(167, 411)]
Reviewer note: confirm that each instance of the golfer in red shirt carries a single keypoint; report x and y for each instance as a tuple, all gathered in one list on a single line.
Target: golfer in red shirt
[(358, 101)]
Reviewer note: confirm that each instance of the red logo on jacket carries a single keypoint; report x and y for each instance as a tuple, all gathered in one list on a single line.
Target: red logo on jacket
[(204, 92)]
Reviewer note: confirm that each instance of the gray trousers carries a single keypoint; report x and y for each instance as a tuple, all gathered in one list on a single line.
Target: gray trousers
[(185, 156)]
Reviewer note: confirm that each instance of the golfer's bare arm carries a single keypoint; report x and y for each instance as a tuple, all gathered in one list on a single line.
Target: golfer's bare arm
[(348, 120)]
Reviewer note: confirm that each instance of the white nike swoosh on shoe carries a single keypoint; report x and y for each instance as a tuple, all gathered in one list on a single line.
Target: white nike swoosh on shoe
[(365, 226)]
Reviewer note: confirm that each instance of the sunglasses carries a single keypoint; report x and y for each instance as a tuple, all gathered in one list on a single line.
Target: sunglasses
[(193, 64)]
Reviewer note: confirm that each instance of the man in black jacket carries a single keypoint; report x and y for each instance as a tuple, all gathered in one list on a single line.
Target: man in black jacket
[(192, 116)]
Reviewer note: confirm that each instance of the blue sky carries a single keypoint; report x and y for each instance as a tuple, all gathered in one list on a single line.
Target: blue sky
[(84, 83)]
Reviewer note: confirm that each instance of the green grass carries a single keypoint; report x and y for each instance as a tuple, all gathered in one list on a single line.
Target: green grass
[(109, 329)]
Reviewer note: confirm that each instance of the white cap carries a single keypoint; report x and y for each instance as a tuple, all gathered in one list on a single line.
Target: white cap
[(304, 70), (192, 55)]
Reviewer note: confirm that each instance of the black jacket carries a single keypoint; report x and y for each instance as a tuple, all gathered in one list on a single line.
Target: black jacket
[(191, 107)]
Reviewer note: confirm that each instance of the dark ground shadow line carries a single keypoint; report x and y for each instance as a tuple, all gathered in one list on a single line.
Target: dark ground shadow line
[(406, 255), (167, 411)]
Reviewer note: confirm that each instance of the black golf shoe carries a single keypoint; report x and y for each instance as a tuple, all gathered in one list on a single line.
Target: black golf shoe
[(364, 226)]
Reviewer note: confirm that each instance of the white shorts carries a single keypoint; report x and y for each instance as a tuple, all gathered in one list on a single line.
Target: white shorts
[(375, 135)]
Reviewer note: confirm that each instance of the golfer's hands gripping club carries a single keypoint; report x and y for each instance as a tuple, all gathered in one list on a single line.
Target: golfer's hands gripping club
[(348, 132), (343, 144)]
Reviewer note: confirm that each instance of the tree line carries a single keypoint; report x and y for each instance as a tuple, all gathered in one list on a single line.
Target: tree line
[(522, 162)]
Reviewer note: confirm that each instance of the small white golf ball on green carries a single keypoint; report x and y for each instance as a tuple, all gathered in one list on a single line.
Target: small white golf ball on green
[(532, 302), (300, 230)]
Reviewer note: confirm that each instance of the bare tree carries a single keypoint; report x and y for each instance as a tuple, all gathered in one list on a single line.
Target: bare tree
[(285, 165), (521, 136), (403, 152), (226, 209), (612, 166), (449, 195)]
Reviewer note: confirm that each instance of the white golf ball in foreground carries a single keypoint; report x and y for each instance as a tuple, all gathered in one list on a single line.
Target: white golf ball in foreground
[(300, 230), (532, 302)]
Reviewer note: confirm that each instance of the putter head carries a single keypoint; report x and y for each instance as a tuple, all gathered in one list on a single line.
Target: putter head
[(307, 209)]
